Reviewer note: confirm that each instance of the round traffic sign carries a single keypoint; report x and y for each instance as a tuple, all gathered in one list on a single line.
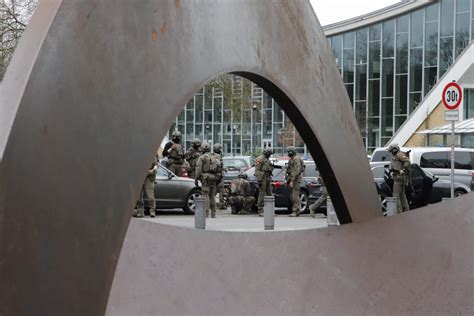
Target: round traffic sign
[(452, 96)]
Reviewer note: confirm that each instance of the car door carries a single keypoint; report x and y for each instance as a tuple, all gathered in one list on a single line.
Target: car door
[(167, 189), (420, 187), (280, 190)]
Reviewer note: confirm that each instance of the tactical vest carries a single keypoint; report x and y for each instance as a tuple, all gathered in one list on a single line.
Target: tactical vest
[(210, 164), (176, 152)]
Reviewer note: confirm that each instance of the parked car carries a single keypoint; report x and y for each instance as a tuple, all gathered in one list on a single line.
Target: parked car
[(235, 164), (425, 187), (172, 191), (311, 187), (437, 161)]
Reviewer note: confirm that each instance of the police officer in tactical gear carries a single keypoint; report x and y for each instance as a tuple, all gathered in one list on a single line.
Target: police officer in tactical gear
[(399, 168), (148, 190), (175, 154), (293, 179), (241, 199), (220, 176), (263, 173), (207, 168), (192, 156)]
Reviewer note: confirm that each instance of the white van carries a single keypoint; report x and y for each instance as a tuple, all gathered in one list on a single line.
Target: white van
[(437, 161)]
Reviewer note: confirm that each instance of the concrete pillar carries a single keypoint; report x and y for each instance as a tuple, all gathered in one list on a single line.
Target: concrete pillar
[(331, 214), (200, 213), (391, 205), (269, 212)]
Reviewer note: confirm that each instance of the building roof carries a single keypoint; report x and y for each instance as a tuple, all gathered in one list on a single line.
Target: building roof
[(376, 16), (463, 127)]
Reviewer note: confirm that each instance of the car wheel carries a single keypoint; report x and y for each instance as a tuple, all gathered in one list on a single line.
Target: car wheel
[(304, 202), (190, 205), (459, 192)]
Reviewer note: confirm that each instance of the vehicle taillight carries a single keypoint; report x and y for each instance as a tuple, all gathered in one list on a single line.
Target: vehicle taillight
[(314, 185), (277, 184)]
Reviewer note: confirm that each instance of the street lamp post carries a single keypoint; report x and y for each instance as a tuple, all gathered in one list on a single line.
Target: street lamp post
[(254, 127)]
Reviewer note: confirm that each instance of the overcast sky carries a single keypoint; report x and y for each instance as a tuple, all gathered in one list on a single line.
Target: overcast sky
[(330, 11)]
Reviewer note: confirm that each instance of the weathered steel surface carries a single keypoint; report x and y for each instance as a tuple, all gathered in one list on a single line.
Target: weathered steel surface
[(417, 263), (92, 89)]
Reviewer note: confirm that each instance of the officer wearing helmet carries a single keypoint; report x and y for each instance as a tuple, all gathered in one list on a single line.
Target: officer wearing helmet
[(293, 179), (241, 199), (220, 175), (263, 173), (148, 190), (399, 168), (207, 169), (175, 153), (192, 156)]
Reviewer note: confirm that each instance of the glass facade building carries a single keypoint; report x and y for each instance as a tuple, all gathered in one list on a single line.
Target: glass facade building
[(388, 67)]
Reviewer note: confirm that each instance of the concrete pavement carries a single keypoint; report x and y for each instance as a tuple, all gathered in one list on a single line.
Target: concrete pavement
[(225, 221)]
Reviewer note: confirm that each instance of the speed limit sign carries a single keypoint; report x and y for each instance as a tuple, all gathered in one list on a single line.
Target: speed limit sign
[(452, 96)]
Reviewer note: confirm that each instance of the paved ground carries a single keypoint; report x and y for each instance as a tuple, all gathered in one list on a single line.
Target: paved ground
[(225, 221)]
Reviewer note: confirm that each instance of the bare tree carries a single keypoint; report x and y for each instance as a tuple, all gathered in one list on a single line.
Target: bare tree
[(14, 17)]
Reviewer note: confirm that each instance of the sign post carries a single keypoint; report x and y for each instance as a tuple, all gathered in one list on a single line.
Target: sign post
[(452, 97)]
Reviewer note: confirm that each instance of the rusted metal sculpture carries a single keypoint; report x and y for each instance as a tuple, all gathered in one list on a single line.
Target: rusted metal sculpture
[(91, 90)]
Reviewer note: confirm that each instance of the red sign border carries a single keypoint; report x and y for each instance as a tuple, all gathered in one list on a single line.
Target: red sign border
[(452, 84)]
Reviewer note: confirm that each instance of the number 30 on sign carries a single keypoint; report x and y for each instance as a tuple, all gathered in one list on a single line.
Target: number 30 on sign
[(452, 96)]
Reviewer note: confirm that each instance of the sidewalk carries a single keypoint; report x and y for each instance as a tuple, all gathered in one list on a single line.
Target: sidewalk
[(225, 221)]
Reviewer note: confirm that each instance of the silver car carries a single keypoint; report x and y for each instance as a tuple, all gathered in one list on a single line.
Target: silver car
[(172, 191)]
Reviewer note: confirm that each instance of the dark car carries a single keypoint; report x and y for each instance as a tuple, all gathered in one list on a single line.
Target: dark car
[(424, 187), (172, 191), (311, 188)]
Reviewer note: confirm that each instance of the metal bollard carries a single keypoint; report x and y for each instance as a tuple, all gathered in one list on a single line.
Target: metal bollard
[(269, 212), (200, 213), (391, 205), (331, 213)]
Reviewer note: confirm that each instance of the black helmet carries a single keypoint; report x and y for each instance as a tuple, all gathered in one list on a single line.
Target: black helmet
[(291, 150), (205, 147), (242, 175), (176, 136), (394, 148), (196, 143), (217, 148), (268, 152)]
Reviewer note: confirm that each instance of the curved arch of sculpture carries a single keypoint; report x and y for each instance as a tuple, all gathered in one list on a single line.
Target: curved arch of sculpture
[(91, 90)]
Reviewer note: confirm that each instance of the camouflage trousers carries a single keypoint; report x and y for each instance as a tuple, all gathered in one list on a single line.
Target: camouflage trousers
[(264, 189), (220, 190), (209, 192), (399, 193), (148, 191), (239, 202), (295, 196), (319, 202)]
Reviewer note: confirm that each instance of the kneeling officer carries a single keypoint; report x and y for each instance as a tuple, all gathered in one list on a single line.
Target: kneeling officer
[(241, 199)]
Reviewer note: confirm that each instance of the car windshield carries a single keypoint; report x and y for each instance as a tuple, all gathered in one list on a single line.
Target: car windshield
[(162, 172), (235, 163)]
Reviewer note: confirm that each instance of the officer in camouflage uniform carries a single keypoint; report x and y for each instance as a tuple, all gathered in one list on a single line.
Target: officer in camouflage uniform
[(263, 173), (293, 179), (148, 190), (176, 155), (192, 156), (220, 176), (241, 199), (207, 168), (399, 168)]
